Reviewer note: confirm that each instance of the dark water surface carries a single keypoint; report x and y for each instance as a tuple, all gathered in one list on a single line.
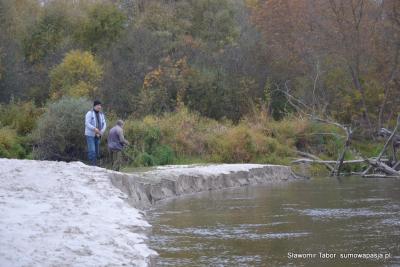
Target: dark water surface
[(259, 226)]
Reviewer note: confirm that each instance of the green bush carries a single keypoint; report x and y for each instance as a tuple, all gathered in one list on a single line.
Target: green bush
[(144, 159), (146, 147), (17, 121), (10, 144), (21, 116), (235, 145), (164, 155), (250, 143), (143, 135), (60, 131), (187, 132), (182, 135)]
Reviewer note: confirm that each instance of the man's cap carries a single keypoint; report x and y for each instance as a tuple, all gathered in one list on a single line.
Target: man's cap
[(96, 102)]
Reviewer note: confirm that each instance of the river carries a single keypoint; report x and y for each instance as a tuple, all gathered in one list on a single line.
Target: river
[(327, 220)]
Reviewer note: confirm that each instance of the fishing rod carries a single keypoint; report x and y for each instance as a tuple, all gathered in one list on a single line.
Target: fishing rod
[(124, 153)]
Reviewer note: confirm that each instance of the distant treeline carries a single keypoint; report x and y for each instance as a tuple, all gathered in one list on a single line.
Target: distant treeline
[(218, 57), (221, 59)]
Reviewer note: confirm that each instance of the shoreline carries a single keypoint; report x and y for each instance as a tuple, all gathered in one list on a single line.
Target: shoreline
[(54, 212), (145, 188)]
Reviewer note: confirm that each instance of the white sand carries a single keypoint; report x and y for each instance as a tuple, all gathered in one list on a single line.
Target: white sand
[(205, 170), (66, 214)]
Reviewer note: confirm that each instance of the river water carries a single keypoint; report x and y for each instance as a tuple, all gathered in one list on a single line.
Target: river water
[(263, 225)]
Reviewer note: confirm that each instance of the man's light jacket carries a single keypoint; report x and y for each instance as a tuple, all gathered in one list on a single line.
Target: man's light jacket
[(91, 123)]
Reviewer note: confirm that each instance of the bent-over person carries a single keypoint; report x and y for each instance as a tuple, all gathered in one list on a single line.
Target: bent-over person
[(116, 142)]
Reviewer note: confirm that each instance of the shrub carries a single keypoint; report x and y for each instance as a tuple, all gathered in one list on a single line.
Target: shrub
[(236, 145), (144, 159), (10, 146), (186, 132), (60, 131), (187, 137), (21, 116), (143, 135), (164, 155), (182, 135)]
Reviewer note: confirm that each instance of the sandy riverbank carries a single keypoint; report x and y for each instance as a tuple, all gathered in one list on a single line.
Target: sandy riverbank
[(66, 214), (71, 214)]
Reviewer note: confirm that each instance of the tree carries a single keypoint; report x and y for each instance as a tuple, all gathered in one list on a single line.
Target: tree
[(388, 59), (77, 75), (51, 29), (165, 87), (341, 53), (1, 64), (102, 26), (213, 22), (212, 94), (126, 64), (15, 16)]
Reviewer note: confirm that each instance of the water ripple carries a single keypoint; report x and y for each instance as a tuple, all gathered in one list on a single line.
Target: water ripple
[(232, 233), (343, 213)]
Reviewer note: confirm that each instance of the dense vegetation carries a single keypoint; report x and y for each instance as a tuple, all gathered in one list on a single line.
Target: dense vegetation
[(197, 80)]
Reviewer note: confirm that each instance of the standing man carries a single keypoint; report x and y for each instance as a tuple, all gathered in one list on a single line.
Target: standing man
[(95, 126), (116, 142)]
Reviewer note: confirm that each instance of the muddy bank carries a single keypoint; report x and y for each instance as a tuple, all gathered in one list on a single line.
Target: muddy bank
[(146, 188)]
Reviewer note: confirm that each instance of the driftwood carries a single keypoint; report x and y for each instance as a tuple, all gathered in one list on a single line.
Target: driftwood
[(313, 158), (396, 165), (380, 176), (383, 167), (349, 133), (379, 166), (372, 162), (378, 163), (304, 109), (305, 160), (390, 139), (335, 167)]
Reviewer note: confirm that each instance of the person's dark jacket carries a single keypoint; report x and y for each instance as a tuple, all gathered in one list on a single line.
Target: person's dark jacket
[(116, 140)]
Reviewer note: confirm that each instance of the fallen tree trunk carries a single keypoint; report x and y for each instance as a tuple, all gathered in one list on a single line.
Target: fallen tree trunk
[(305, 160), (372, 162), (380, 176), (320, 161), (349, 134), (389, 139), (375, 164), (396, 165), (313, 157), (382, 166), (386, 145)]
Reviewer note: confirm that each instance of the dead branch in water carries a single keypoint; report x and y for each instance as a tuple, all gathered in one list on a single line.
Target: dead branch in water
[(377, 165), (315, 158), (304, 109), (388, 141), (382, 167), (380, 176), (305, 160)]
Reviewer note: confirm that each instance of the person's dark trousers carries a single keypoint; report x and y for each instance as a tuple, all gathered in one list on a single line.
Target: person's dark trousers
[(115, 159), (93, 149)]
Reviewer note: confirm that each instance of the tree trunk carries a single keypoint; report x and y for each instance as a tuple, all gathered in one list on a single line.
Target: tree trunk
[(360, 88)]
